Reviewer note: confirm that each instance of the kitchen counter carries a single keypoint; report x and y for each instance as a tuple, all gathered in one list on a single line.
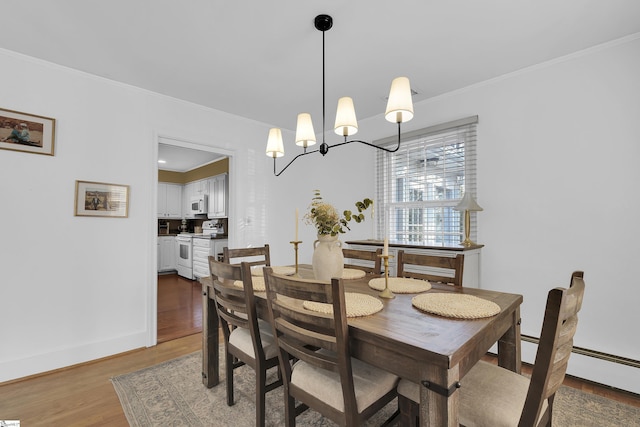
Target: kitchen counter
[(211, 236), (199, 235)]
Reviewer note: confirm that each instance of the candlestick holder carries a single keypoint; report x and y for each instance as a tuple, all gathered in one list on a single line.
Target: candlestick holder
[(295, 244), (386, 292)]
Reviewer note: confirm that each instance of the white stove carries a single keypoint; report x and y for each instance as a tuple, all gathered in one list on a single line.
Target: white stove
[(184, 253)]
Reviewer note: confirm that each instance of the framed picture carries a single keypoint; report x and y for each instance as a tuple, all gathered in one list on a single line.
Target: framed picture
[(27, 132), (101, 199)]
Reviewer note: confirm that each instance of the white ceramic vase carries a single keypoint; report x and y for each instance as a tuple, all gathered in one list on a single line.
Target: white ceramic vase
[(327, 261)]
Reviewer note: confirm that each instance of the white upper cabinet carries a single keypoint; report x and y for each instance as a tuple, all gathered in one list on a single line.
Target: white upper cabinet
[(187, 191), (169, 200), (218, 196), (200, 187)]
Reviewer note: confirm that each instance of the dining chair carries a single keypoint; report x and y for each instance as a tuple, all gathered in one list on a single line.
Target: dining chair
[(247, 339), (253, 256), (325, 377), (431, 267), (371, 258), (494, 396)]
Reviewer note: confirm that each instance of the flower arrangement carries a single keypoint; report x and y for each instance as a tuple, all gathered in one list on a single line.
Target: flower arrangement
[(326, 219)]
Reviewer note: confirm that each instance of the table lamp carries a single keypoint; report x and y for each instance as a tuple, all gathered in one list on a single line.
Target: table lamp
[(467, 204)]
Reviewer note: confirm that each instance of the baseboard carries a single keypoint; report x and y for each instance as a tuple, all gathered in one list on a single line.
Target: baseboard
[(605, 369), (593, 353), (62, 358)]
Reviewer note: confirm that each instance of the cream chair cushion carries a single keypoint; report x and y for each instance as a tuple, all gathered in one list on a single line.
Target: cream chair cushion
[(490, 396), (370, 383), (241, 339)]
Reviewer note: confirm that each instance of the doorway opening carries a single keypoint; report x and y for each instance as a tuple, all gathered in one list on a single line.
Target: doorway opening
[(176, 301)]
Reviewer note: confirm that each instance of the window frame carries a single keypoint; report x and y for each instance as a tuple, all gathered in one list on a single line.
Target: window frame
[(449, 231)]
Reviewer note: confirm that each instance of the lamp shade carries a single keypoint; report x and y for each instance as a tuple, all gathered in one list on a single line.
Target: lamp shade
[(467, 203), (346, 123), (275, 147), (400, 105), (305, 136)]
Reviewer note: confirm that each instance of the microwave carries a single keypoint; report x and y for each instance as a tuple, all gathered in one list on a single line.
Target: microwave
[(199, 204)]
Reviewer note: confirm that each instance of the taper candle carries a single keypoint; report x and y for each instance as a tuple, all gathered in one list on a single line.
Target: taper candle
[(296, 239), (385, 249)]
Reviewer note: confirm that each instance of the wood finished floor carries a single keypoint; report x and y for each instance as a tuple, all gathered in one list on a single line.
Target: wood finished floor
[(83, 395), (179, 307)]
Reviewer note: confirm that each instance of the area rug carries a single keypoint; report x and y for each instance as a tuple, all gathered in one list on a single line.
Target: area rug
[(172, 394)]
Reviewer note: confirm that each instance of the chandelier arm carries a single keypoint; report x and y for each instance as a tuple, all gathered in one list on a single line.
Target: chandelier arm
[(388, 150), (292, 160), (369, 144)]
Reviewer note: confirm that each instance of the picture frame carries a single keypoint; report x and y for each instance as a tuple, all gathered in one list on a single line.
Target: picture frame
[(100, 199), (27, 132)]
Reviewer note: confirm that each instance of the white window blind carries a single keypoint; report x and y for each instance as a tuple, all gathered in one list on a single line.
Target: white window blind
[(418, 185)]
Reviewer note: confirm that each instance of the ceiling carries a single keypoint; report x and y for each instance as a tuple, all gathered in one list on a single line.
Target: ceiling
[(263, 59), (181, 159)]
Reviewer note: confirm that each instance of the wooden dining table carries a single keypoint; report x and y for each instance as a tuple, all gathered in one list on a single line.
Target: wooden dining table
[(428, 349)]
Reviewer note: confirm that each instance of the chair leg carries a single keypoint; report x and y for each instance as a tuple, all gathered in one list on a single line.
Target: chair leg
[(290, 410), (409, 412), (545, 418), (229, 373), (261, 390)]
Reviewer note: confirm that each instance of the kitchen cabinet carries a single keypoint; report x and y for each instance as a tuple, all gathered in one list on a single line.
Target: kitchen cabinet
[(218, 196), (169, 200), (187, 190), (193, 188), (202, 248), (200, 187), (166, 253)]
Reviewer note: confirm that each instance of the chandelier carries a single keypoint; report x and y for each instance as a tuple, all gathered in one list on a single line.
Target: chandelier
[(399, 109)]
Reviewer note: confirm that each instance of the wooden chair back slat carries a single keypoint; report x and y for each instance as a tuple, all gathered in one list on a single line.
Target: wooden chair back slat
[(554, 348), (247, 255), (298, 332), (371, 257), (236, 309), (454, 264)]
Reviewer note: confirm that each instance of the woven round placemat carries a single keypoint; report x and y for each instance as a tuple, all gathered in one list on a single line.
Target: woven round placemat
[(285, 270), (460, 306), (356, 305), (401, 285), (258, 284), (352, 273)]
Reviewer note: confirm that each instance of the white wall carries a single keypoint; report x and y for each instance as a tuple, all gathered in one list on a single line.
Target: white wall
[(557, 170), (557, 154), (557, 146), (74, 289)]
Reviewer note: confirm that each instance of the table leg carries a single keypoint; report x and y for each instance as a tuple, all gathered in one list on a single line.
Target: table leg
[(210, 339), (510, 345), (439, 405)]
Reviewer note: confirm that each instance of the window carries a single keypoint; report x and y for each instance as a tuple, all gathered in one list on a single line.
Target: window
[(418, 186)]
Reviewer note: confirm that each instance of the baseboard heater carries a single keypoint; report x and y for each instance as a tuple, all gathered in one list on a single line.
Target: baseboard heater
[(592, 353)]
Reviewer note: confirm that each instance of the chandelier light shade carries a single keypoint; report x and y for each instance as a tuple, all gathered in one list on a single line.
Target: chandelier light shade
[(399, 110), (305, 136), (346, 122), (400, 105), (275, 147)]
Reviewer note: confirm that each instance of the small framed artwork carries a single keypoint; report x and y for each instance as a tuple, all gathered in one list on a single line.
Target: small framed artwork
[(101, 199), (26, 132)]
